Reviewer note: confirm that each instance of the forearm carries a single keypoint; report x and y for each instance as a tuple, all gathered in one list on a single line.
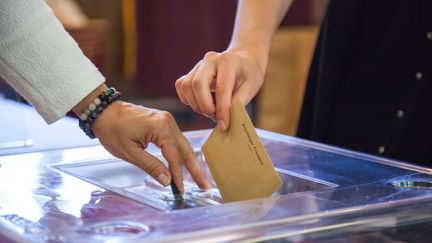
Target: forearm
[(255, 24)]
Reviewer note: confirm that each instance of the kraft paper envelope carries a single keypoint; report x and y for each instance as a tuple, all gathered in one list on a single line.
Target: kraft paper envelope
[(238, 160)]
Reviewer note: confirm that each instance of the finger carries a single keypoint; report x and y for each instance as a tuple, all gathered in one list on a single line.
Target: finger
[(171, 153), (173, 157), (175, 165), (189, 95), (187, 90), (201, 83), (180, 94), (149, 163), (224, 90), (179, 82), (194, 69), (191, 163)]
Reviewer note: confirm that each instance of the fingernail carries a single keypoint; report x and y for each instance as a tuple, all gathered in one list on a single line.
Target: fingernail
[(164, 180), (221, 125)]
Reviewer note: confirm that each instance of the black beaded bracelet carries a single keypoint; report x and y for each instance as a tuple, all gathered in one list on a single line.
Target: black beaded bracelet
[(95, 109)]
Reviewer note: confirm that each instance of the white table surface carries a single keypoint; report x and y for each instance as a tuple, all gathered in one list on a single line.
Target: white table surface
[(20, 122)]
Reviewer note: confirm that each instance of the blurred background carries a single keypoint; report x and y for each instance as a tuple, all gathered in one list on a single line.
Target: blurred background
[(142, 47)]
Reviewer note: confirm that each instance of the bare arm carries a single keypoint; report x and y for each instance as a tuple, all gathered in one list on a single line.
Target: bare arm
[(238, 71), (256, 22)]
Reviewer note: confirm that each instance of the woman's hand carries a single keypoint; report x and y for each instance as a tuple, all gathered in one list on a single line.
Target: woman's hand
[(230, 74), (126, 129), (238, 71)]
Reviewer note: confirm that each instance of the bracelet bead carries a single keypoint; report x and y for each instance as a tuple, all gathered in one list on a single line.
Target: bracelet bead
[(93, 114), (83, 116), (87, 111), (97, 101), (98, 105), (92, 106)]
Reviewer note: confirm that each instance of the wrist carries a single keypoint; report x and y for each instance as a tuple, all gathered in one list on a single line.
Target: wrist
[(109, 116), (256, 53), (84, 103), (97, 106)]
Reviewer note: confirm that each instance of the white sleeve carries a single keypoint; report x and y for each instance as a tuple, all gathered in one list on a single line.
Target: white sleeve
[(40, 60)]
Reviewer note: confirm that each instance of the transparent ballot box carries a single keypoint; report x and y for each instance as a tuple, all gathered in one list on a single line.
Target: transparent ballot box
[(86, 195)]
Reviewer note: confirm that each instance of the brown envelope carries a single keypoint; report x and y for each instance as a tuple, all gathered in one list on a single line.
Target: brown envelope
[(238, 160)]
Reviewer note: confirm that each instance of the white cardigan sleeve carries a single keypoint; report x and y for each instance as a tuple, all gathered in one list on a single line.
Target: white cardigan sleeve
[(40, 60)]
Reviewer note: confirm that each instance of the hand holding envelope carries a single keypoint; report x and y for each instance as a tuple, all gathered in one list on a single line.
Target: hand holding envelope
[(238, 160)]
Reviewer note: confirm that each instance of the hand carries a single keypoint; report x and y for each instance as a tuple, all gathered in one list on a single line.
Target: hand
[(230, 74), (126, 129)]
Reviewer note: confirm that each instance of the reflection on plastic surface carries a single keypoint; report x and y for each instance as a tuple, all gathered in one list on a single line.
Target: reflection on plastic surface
[(115, 229)]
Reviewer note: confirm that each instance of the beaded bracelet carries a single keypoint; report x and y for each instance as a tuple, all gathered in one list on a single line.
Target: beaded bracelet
[(98, 105)]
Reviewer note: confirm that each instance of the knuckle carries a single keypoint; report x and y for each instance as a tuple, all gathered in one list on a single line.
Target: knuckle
[(167, 117), (235, 61), (186, 84), (150, 168), (178, 82), (225, 58), (210, 55)]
